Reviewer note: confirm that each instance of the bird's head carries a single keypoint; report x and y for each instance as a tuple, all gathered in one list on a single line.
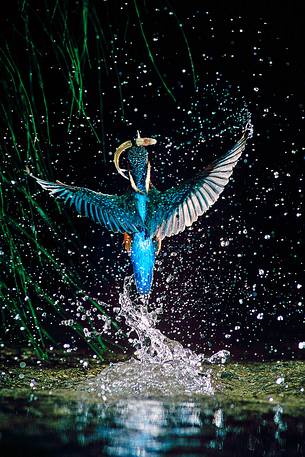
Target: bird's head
[(138, 171)]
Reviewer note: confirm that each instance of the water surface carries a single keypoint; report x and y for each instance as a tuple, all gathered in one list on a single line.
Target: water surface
[(255, 409)]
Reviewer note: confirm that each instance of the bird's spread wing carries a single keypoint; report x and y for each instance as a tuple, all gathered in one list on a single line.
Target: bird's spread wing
[(116, 213), (180, 206)]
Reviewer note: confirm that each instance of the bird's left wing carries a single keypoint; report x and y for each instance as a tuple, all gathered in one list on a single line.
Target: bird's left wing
[(116, 212), (180, 206)]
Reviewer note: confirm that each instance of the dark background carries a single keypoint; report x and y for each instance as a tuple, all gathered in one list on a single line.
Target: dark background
[(234, 280)]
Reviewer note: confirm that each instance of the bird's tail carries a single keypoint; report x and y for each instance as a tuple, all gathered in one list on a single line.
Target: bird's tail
[(143, 261)]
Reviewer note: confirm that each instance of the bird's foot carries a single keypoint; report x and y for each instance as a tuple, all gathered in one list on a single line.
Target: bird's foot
[(127, 242)]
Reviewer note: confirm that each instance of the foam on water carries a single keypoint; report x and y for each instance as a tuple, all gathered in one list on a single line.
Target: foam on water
[(161, 367)]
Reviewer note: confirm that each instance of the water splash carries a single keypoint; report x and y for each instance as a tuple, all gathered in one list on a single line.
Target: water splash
[(161, 367)]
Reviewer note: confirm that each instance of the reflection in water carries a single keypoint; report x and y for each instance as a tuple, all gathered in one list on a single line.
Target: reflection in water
[(154, 428), (160, 403)]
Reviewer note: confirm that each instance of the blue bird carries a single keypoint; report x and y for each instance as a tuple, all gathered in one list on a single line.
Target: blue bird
[(144, 214)]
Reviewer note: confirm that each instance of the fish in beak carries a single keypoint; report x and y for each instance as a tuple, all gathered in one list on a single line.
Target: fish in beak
[(140, 142)]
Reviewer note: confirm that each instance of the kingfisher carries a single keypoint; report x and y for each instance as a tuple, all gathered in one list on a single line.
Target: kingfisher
[(143, 214)]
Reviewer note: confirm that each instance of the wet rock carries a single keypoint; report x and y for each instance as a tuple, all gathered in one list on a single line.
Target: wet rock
[(228, 375)]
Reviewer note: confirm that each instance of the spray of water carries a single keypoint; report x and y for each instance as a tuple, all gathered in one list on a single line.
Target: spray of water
[(161, 367)]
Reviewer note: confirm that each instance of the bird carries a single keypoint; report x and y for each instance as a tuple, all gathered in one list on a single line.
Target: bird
[(144, 214)]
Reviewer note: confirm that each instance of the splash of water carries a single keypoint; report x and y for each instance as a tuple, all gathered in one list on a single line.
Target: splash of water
[(151, 345), (161, 367)]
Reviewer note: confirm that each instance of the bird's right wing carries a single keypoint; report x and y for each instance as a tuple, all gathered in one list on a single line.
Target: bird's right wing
[(180, 206), (116, 212)]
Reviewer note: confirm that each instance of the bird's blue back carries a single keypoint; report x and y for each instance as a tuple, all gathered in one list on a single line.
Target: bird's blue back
[(143, 260), (142, 251)]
